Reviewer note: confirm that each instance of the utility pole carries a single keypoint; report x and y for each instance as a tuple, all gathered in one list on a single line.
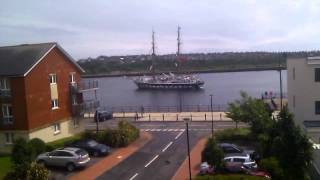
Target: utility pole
[(188, 144), (153, 55), (211, 115)]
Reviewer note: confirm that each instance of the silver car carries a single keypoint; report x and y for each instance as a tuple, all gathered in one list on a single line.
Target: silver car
[(70, 158)]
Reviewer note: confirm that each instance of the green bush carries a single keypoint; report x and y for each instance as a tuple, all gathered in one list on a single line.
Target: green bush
[(271, 164), (236, 134), (213, 154), (37, 172), (61, 142), (21, 152), (37, 146)]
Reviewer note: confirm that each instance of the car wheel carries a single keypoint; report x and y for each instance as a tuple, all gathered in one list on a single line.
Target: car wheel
[(42, 163), (70, 167), (95, 154)]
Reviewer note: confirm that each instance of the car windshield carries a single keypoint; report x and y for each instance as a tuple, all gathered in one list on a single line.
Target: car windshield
[(92, 143), (81, 152)]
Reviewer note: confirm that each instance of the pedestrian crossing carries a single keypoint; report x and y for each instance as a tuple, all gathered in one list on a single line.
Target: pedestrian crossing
[(173, 130)]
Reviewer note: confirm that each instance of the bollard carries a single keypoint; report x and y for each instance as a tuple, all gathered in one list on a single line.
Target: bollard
[(177, 117), (220, 117), (149, 118), (205, 116), (123, 114), (162, 117), (191, 117)]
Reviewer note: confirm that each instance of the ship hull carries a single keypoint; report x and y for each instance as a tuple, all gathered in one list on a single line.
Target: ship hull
[(142, 85)]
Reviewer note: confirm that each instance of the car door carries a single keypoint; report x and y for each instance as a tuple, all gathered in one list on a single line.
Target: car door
[(53, 158), (64, 158)]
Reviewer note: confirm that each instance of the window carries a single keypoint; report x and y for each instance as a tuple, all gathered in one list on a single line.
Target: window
[(9, 138), (294, 73), (4, 84), (54, 104), (239, 160), (72, 77), (7, 114), (56, 128), (53, 78), (317, 105), (65, 154), (317, 74)]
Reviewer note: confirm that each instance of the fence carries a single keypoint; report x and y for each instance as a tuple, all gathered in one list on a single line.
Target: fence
[(182, 108)]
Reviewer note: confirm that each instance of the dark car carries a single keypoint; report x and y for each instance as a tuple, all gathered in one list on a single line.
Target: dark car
[(233, 149), (102, 115), (91, 146)]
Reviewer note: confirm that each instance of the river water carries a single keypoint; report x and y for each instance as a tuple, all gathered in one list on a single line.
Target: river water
[(225, 87)]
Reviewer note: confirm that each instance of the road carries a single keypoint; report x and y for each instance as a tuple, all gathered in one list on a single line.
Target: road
[(163, 155)]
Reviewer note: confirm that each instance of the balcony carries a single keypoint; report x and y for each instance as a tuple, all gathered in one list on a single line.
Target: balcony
[(7, 121), (5, 93), (87, 106), (84, 86)]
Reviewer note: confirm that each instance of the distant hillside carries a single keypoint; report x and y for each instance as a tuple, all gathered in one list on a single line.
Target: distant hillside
[(197, 62)]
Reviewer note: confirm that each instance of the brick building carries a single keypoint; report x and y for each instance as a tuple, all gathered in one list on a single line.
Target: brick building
[(40, 93)]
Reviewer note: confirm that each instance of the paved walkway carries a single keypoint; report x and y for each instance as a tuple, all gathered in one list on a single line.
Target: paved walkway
[(112, 160), (195, 154), (180, 116)]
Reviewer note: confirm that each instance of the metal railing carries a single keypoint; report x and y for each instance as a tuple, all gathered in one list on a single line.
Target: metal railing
[(178, 108), (7, 120), (5, 93), (85, 107), (84, 86)]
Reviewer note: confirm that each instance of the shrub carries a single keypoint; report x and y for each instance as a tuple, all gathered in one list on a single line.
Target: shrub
[(37, 172), (213, 154), (236, 134), (37, 146), (271, 164), (20, 152)]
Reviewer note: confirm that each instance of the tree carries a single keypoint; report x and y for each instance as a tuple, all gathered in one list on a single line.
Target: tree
[(291, 146), (252, 111), (37, 172), (212, 154)]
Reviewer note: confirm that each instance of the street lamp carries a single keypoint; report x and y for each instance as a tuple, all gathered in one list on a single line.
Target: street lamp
[(211, 115), (187, 120), (280, 76)]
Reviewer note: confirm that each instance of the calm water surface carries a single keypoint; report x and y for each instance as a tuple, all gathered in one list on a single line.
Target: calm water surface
[(225, 87)]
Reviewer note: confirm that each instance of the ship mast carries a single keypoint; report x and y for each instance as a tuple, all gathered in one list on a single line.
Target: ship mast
[(153, 55), (178, 50)]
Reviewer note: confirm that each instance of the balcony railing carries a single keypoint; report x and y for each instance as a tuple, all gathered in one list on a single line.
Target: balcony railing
[(87, 106), (7, 120), (84, 86), (5, 93)]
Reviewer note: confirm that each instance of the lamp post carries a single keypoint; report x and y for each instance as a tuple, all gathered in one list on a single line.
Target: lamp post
[(211, 115), (187, 121)]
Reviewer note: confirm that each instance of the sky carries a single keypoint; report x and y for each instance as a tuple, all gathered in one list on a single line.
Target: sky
[(89, 28)]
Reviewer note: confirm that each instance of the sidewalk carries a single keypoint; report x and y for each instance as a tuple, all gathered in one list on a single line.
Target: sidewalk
[(97, 169), (180, 116), (195, 154)]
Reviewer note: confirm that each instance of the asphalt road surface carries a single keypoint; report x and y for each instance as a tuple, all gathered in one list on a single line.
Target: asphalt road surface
[(163, 155)]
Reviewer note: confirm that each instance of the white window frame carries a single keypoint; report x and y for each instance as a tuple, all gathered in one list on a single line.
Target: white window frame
[(9, 138), (56, 128), (54, 103), (72, 77), (53, 78), (5, 84), (6, 113)]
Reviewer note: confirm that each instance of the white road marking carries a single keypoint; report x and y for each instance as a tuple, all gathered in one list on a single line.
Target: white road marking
[(158, 129), (147, 129), (164, 129), (178, 135), (134, 176), (151, 161), (168, 145), (170, 129), (152, 129)]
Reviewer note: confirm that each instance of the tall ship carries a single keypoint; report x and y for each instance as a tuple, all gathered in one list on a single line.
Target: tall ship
[(168, 80)]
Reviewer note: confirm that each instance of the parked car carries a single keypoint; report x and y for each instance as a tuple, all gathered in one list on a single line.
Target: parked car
[(91, 146), (70, 158), (229, 148), (256, 172), (206, 168), (102, 115), (234, 163)]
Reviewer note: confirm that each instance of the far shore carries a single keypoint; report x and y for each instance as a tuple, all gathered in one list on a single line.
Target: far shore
[(185, 72)]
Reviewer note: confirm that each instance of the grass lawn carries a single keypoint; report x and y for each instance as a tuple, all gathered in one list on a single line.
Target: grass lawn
[(5, 165)]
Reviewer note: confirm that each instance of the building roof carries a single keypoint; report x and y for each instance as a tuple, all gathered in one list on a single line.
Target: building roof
[(311, 123), (21, 59)]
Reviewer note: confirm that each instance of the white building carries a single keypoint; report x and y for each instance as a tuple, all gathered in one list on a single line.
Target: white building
[(304, 93)]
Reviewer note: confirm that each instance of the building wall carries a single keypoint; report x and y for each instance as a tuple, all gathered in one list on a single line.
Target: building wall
[(305, 90), (38, 95), (18, 101)]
